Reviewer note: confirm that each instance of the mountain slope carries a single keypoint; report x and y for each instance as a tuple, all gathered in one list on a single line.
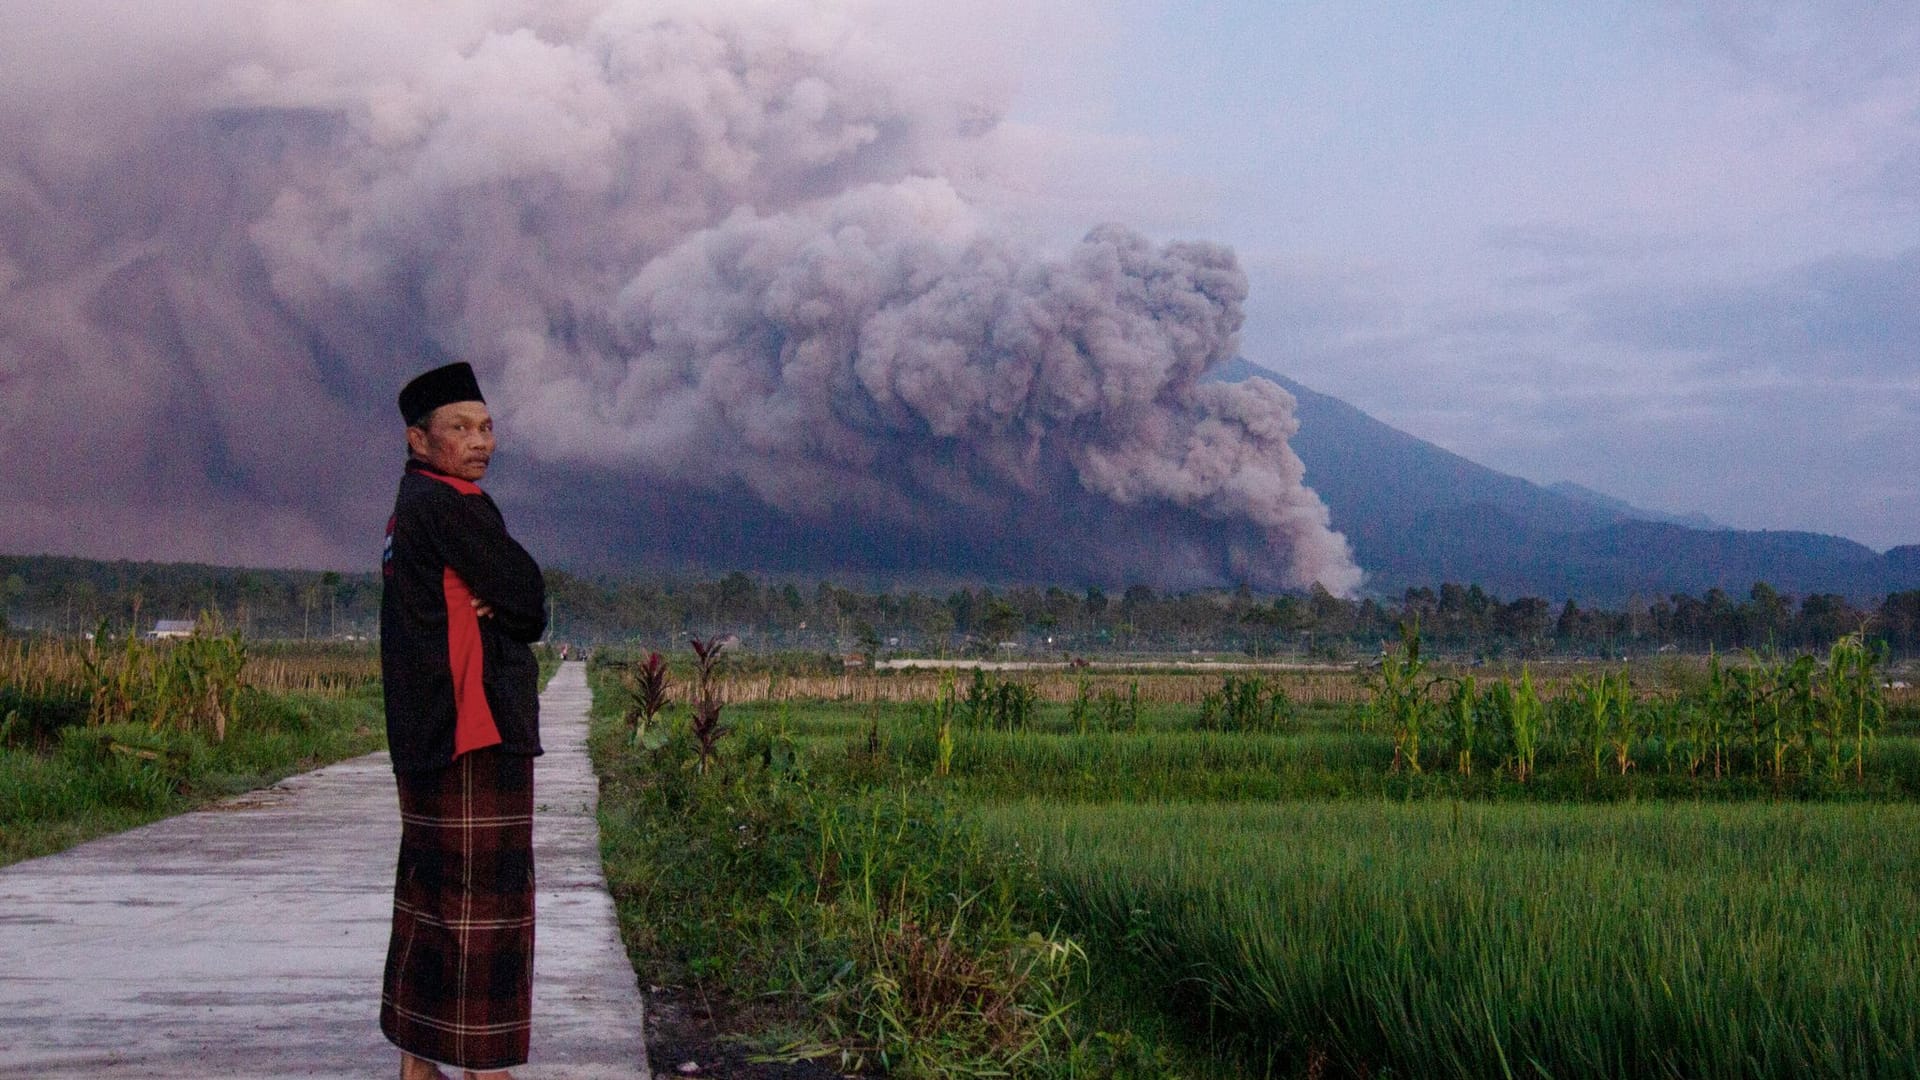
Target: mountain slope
[(1417, 515)]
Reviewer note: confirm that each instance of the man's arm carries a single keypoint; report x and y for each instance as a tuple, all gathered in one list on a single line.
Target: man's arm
[(472, 541)]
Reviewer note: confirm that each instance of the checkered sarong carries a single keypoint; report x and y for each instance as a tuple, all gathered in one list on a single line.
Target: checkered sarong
[(459, 979)]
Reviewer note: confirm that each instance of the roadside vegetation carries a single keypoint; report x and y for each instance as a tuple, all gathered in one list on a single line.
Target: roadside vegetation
[(1682, 867), (102, 735)]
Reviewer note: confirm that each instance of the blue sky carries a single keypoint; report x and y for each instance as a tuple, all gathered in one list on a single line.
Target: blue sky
[(1669, 251)]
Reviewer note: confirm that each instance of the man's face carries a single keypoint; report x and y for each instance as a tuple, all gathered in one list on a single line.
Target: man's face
[(457, 440)]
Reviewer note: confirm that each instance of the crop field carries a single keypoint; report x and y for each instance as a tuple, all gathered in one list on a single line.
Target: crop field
[(1463, 940), (99, 738), (1695, 869)]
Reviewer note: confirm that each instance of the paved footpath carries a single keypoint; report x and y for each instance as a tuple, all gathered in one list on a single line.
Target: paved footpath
[(247, 940)]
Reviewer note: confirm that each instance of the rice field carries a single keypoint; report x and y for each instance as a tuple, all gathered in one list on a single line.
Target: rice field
[(1471, 940), (1274, 879)]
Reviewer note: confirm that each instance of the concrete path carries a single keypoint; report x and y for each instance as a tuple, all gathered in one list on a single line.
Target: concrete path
[(248, 940)]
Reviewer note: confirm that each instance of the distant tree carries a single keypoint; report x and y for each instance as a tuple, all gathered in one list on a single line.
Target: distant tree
[(738, 598), (330, 587), (1567, 626), (1768, 615), (1527, 619), (1292, 614), (1899, 620), (1096, 602), (1000, 621), (1826, 618), (1332, 616), (961, 604), (868, 640)]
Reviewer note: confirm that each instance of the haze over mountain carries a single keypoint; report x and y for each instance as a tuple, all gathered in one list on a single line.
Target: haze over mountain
[(1416, 514)]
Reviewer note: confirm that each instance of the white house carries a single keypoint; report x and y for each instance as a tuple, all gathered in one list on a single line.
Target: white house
[(171, 628)]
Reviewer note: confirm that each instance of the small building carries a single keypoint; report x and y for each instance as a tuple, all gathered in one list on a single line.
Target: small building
[(171, 628)]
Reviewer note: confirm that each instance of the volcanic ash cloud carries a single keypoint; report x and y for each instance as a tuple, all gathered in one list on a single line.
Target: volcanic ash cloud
[(731, 260)]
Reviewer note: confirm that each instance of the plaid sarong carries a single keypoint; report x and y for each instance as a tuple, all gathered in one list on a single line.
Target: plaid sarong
[(459, 978)]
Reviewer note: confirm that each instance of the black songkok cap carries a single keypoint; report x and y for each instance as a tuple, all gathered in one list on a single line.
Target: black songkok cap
[(441, 386)]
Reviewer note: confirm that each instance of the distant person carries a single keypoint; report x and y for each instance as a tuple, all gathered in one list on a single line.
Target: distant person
[(460, 605)]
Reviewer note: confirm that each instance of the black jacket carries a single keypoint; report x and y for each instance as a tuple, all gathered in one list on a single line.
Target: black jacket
[(455, 682)]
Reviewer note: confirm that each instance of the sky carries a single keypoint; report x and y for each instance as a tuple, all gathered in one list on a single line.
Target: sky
[(1667, 251), (936, 285)]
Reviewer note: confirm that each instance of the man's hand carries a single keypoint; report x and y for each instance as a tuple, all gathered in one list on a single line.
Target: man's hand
[(481, 607)]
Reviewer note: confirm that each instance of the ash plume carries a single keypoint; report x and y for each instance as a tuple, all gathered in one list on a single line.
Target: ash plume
[(725, 269)]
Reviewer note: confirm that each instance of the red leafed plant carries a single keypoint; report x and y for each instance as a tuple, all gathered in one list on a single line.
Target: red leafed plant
[(706, 726), (650, 690)]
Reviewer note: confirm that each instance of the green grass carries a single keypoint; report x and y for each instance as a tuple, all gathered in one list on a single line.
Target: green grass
[(87, 782), (1448, 940), (840, 908), (1277, 904)]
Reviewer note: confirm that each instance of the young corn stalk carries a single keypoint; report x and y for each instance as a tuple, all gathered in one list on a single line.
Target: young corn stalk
[(1665, 724), (204, 675), (1593, 698), (1855, 698), (1752, 688), (1626, 720), (1460, 711), (1081, 711), (1520, 711), (1711, 712), (979, 699), (1790, 711), (1399, 697), (943, 707)]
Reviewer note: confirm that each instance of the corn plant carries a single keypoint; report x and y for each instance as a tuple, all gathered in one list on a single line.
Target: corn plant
[(1605, 707), (1013, 706), (1400, 698), (943, 708), (1713, 707), (1245, 704), (1080, 711), (1523, 711), (188, 686), (1460, 714), (1670, 721), (1855, 702), (979, 701), (203, 674), (1790, 711), (1626, 721)]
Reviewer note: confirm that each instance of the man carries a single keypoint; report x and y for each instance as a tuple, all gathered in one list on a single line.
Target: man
[(460, 605)]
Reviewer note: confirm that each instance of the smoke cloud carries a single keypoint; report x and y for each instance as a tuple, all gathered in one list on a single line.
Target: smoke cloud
[(726, 270)]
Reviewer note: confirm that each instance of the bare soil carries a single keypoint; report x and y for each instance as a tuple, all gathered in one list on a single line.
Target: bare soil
[(690, 1037)]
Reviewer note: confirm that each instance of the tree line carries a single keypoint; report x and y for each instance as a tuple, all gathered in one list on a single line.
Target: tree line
[(57, 595)]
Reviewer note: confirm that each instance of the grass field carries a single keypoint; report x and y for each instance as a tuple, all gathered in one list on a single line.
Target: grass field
[(1294, 901)]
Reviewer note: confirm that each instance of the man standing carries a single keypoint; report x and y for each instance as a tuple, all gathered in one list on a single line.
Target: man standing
[(460, 605)]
